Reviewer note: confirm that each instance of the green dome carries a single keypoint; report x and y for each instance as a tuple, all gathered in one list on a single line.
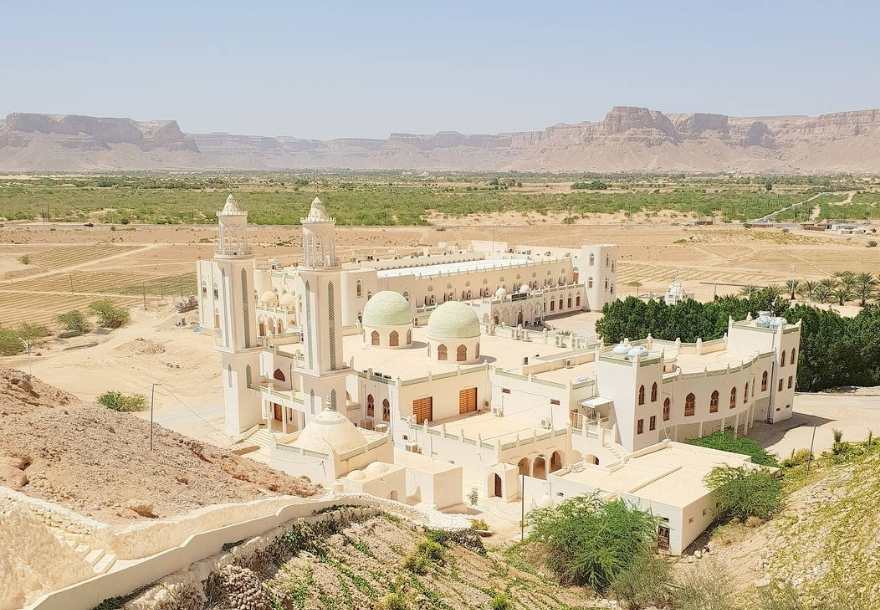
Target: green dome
[(387, 308), (453, 320)]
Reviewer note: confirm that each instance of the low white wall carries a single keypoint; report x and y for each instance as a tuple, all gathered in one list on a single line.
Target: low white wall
[(125, 579)]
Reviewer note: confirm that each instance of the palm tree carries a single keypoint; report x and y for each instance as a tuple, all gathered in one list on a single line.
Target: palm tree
[(791, 286), (846, 279), (866, 284), (748, 291), (822, 291), (841, 294), (807, 289)]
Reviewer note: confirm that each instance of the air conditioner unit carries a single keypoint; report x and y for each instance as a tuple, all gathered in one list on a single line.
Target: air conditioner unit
[(413, 447), (497, 411), (545, 423)]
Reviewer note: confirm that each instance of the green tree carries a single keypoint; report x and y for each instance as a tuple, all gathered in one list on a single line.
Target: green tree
[(841, 295), (74, 321), (791, 286), (806, 289), (741, 492), (109, 316), (31, 333), (588, 541), (647, 581), (10, 343), (865, 286)]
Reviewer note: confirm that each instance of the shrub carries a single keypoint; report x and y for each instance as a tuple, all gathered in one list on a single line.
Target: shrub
[(872, 243), (118, 401), (779, 596), (25, 259), (726, 441), (473, 496), (10, 343), (31, 332), (109, 315), (395, 600), (742, 492), (588, 541), (416, 563), (501, 601), (708, 587), (479, 524), (74, 321), (645, 582), (797, 458)]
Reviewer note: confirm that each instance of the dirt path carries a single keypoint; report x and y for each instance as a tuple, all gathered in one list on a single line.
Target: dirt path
[(70, 268), (773, 215)]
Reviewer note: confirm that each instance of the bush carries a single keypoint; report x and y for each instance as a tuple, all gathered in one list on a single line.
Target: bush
[(588, 541), (779, 596), (647, 581), (501, 601), (10, 343), (742, 492), (872, 243), (708, 587), (797, 458), (416, 563), (25, 259), (426, 552), (74, 321), (31, 332), (109, 316), (118, 401), (395, 600), (726, 441), (479, 524)]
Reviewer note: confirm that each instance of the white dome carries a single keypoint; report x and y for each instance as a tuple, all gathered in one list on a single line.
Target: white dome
[(639, 350), (453, 320), (329, 432), (269, 297), (387, 308), (620, 348), (524, 288), (287, 300), (376, 468), (500, 293), (356, 475)]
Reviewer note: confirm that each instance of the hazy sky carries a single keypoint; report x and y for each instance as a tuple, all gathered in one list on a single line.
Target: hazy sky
[(364, 69)]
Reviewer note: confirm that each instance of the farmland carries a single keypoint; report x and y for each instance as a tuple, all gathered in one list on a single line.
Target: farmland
[(383, 199)]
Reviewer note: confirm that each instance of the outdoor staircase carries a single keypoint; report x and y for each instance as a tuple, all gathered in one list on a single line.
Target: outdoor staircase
[(100, 560), (617, 451), (264, 439)]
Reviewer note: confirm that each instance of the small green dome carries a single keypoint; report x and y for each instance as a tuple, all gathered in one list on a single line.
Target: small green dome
[(454, 320), (387, 308)]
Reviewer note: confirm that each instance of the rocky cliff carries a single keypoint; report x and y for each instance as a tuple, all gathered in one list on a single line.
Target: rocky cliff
[(628, 139)]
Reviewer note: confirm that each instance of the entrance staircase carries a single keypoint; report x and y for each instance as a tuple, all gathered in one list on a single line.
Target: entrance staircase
[(97, 558)]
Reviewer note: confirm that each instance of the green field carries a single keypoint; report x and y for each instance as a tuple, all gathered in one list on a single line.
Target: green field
[(394, 199)]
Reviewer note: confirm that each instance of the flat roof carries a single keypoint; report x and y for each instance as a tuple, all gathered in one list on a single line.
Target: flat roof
[(410, 362), (444, 268), (575, 374), (490, 427), (673, 474)]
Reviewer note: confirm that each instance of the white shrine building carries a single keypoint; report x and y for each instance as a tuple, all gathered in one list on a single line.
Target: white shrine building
[(420, 378)]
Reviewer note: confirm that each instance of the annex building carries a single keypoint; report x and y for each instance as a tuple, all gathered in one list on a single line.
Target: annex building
[(423, 378)]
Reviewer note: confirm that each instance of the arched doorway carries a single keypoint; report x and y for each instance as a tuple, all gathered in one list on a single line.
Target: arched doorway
[(497, 488), (524, 466), (393, 339), (539, 468), (555, 461)]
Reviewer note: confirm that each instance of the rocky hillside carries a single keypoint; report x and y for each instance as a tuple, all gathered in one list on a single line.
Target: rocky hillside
[(628, 139)]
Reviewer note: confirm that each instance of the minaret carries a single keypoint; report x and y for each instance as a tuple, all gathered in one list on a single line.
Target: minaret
[(322, 367), (237, 336)]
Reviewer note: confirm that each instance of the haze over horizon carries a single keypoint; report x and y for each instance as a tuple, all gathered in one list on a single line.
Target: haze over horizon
[(272, 69)]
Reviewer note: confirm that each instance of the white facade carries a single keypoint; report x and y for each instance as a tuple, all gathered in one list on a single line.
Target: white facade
[(478, 392)]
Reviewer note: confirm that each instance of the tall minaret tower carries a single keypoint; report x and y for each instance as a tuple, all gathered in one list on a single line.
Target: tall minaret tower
[(322, 367), (237, 336)]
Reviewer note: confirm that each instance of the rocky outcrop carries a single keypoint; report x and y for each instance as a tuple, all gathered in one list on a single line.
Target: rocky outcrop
[(628, 139)]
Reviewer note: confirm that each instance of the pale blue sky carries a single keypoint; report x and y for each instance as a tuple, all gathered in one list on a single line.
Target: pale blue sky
[(364, 69)]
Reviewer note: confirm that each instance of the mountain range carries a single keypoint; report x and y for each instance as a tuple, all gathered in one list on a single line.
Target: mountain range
[(628, 139)]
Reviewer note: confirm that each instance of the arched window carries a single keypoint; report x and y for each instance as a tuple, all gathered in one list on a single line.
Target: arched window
[(370, 408), (790, 381), (569, 302), (552, 305), (781, 380), (733, 397), (713, 402), (590, 282), (690, 405), (461, 353), (386, 410), (333, 400), (374, 337), (331, 330), (408, 337), (393, 340), (248, 376), (592, 260), (279, 375), (441, 352), (560, 304), (793, 356), (746, 393), (782, 359), (654, 392), (359, 289), (577, 301), (641, 394), (764, 382), (667, 404)]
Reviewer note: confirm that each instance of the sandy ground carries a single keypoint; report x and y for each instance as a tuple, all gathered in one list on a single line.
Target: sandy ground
[(855, 414)]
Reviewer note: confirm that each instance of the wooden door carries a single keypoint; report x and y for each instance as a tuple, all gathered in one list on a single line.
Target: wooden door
[(276, 411), (467, 401), (423, 409), (498, 489)]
